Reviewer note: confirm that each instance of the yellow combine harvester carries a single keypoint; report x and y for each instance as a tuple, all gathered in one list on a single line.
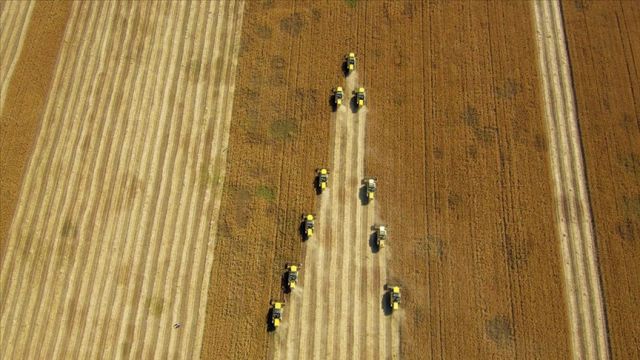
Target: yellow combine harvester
[(381, 235), (351, 62), (323, 179), (360, 97), (309, 225), (292, 275), (395, 296), (338, 95), (276, 313), (371, 184)]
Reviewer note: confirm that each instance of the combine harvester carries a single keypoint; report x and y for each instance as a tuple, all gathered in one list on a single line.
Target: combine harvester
[(292, 275), (371, 183), (338, 95), (276, 313), (381, 235), (309, 225), (351, 62), (323, 179), (394, 296), (360, 97)]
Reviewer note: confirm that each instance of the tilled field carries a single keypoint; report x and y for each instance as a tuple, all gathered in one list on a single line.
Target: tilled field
[(108, 248), (604, 41)]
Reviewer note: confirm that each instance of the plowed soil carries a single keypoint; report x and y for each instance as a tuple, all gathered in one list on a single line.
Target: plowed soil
[(456, 136), (604, 43)]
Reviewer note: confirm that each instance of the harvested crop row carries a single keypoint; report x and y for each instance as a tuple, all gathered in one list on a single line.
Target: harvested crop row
[(110, 244)]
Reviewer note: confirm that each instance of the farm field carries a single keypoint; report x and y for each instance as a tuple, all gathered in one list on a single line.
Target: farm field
[(456, 136), (157, 159), (110, 238), (604, 41)]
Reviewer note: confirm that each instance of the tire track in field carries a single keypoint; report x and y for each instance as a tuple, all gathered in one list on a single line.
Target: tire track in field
[(14, 17), (573, 214), (82, 237)]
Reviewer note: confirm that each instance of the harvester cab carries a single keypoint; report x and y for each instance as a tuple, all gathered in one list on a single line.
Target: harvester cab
[(309, 225), (276, 313), (351, 62), (323, 179), (338, 95), (292, 275), (371, 183), (381, 235), (360, 97)]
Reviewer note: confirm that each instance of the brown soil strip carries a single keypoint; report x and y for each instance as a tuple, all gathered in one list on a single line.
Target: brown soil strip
[(603, 40), (24, 102)]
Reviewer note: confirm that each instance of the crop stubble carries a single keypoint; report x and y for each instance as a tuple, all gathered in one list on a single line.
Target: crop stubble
[(26, 77), (603, 41), (132, 141)]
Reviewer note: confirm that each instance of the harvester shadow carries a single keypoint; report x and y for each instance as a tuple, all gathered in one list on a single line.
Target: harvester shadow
[(302, 230), (345, 68), (353, 104), (270, 327), (387, 309), (362, 195), (316, 185), (373, 243), (332, 102), (284, 283)]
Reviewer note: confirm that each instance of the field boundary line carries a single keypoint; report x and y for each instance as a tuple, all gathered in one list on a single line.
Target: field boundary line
[(583, 291)]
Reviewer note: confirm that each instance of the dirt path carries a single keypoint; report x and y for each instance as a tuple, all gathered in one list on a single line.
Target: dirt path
[(113, 246), (582, 284), (14, 17), (337, 311)]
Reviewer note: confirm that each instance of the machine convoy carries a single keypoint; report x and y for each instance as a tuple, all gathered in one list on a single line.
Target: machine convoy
[(381, 235), (308, 220), (371, 184), (323, 179)]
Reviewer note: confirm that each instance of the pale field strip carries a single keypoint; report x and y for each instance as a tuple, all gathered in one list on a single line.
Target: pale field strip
[(14, 22), (573, 213), (113, 238), (343, 281)]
